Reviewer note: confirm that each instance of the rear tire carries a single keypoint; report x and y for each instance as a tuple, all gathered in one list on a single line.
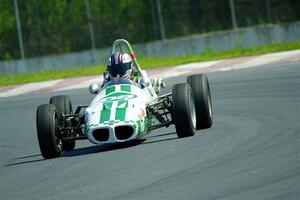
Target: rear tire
[(63, 105), (200, 86), (184, 114), (46, 123)]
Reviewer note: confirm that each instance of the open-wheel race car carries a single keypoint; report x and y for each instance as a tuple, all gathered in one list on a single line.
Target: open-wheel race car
[(123, 111)]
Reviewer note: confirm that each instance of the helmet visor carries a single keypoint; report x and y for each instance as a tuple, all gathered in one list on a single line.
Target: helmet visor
[(119, 69)]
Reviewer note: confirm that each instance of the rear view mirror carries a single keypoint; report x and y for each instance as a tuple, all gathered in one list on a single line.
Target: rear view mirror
[(94, 88)]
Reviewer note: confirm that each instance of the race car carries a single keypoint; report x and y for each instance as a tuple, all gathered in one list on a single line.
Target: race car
[(123, 111)]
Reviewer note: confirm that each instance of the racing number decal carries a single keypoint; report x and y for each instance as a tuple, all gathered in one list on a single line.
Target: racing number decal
[(117, 96)]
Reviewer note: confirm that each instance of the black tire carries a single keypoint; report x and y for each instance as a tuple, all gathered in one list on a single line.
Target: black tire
[(46, 123), (63, 105), (201, 90), (184, 114)]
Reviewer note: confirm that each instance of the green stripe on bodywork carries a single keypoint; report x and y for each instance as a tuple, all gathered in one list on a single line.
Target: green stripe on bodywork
[(120, 114), (126, 88), (105, 113), (138, 127), (107, 105), (146, 124), (110, 90), (121, 102)]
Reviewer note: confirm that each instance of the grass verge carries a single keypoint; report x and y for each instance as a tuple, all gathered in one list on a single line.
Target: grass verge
[(148, 63)]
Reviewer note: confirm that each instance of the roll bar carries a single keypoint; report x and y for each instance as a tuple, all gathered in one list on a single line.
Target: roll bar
[(121, 43)]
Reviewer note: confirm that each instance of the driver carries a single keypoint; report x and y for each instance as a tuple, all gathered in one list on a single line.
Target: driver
[(120, 65)]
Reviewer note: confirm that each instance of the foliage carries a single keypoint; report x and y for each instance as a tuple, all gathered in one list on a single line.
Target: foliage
[(60, 26)]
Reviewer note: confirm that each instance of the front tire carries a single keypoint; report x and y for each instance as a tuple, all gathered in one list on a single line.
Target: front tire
[(200, 86), (184, 114), (47, 131), (63, 105)]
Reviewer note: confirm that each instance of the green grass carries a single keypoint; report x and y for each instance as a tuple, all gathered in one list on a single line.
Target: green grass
[(147, 63)]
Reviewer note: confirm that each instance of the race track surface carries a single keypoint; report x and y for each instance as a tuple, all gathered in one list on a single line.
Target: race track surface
[(251, 152)]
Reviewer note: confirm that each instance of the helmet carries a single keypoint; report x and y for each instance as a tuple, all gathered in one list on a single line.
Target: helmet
[(120, 64)]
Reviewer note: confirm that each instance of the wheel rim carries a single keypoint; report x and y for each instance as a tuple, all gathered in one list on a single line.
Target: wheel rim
[(193, 110)]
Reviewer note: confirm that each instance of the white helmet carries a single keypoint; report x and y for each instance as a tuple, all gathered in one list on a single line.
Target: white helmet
[(120, 64)]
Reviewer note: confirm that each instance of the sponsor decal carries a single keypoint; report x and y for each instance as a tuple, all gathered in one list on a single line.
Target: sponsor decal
[(142, 114), (119, 97)]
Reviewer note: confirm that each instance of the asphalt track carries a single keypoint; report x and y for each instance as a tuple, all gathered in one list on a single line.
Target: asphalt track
[(252, 151)]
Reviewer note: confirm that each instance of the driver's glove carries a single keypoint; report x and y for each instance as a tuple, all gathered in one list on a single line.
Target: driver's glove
[(157, 84)]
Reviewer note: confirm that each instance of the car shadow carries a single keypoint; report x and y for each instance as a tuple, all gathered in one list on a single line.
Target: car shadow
[(148, 139), (18, 162), (161, 140), (111, 147), (101, 148), (30, 156), (24, 162), (160, 135)]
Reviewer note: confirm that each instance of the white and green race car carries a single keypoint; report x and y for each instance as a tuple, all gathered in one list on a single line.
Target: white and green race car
[(123, 111)]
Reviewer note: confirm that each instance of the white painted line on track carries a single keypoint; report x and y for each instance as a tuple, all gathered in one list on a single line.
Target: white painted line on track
[(262, 60), (187, 68), (225, 69), (198, 67), (266, 59), (83, 84), (27, 88)]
